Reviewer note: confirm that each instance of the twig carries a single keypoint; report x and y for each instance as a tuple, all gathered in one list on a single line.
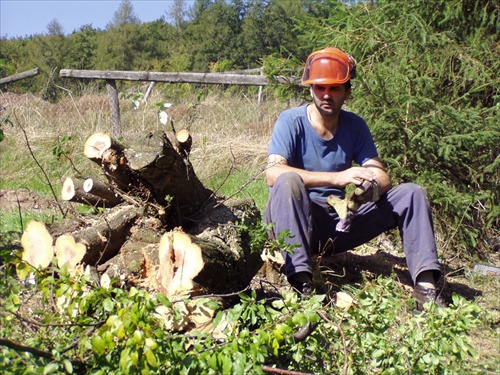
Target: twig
[(99, 323), (344, 342), (39, 165), (240, 189), (280, 371), (24, 348), (20, 213), (225, 178)]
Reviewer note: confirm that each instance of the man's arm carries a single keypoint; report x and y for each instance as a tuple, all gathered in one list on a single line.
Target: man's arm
[(375, 165), (372, 169)]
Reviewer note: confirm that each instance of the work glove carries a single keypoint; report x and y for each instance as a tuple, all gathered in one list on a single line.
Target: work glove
[(368, 191)]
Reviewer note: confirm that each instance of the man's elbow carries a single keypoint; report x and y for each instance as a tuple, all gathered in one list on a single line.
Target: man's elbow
[(270, 178)]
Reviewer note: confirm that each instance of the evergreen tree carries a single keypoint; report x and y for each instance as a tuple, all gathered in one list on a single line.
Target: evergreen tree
[(54, 28), (124, 15), (430, 95)]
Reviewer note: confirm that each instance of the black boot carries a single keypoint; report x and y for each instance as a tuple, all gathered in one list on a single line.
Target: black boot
[(302, 283)]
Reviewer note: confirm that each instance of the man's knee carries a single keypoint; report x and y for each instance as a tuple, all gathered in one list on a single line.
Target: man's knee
[(289, 181), (413, 190)]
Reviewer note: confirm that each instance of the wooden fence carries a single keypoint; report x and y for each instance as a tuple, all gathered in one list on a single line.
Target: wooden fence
[(110, 76), (17, 77)]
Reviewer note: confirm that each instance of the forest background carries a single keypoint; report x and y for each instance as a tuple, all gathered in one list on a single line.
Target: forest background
[(427, 85)]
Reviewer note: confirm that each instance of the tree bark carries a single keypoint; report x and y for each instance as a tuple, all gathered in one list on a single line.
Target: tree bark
[(105, 237), (169, 175)]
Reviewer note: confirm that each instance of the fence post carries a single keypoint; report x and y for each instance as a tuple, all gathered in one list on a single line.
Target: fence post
[(114, 107)]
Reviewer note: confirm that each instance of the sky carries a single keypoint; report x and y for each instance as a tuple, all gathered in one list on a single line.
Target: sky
[(21, 18)]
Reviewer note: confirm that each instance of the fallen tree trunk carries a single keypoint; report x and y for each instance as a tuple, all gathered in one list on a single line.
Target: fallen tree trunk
[(169, 174), (160, 228)]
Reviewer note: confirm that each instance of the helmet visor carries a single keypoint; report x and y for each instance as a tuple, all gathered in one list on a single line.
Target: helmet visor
[(325, 67)]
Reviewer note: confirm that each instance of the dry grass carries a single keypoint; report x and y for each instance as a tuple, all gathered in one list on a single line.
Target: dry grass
[(229, 133)]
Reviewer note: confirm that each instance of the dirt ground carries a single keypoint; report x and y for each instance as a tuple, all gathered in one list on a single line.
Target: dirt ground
[(24, 199)]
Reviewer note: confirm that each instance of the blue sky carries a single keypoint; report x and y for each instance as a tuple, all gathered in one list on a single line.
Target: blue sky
[(20, 18)]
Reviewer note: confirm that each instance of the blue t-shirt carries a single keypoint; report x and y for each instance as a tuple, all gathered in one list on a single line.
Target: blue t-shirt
[(295, 139)]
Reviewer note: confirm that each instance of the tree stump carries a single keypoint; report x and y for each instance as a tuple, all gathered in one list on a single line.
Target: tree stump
[(159, 228)]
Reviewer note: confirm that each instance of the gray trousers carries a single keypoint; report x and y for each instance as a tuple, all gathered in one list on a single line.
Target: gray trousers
[(312, 224)]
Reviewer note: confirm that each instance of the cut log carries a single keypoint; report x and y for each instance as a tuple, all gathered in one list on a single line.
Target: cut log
[(104, 238), (180, 262), (79, 191), (184, 141), (98, 143), (69, 253), (37, 246), (102, 190), (228, 263), (108, 153), (136, 243), (71, 188)]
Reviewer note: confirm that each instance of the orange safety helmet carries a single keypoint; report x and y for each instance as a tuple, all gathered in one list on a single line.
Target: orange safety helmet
[(329, 66)]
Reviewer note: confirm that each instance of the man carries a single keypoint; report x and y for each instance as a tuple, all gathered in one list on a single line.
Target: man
[(311, 155)]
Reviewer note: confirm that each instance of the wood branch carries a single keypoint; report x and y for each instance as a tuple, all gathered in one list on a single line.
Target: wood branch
[(23, 348), (280, 371), (37, 245), (104, 238), (184, 141), (102, 190), (71, 188), (69, 253), (74, 190), (180, 261)]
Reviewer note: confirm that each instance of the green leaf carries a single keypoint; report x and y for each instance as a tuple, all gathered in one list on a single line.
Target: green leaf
[(108, 304), (98, 344), (163, 300), (68, 366), (50, 368), (151, 358)]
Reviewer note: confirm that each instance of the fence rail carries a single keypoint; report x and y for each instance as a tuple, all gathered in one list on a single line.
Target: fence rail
[(110, 76), (18, 77), (208, 78)]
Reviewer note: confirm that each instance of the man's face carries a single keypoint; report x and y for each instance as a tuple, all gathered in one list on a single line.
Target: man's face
[(329, 98)]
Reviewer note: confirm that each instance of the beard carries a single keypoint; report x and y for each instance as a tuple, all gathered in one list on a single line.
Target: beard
[(327, 108)]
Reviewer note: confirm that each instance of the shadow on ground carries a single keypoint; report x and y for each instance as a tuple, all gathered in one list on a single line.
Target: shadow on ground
[(352, 267)]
